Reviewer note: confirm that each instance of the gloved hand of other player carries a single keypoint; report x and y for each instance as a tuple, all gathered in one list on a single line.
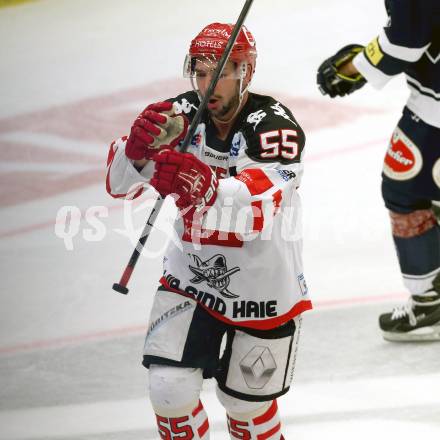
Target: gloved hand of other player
[(156, 128), (330, 79), (193, 182)]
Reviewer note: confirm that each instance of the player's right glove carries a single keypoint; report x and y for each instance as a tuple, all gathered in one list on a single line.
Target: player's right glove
[(191, 181), (331, 82), (155, 129)]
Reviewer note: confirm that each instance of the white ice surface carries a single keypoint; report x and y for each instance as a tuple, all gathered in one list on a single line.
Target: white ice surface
[(351, 397)]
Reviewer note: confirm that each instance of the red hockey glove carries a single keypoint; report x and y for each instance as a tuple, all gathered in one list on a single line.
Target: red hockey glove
[(156, 128), (192, 181)]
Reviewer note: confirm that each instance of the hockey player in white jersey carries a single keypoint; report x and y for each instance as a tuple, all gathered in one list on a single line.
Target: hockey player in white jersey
[(410, 43), (236, 273)]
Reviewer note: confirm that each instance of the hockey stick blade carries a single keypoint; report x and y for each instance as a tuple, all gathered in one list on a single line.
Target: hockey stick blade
[(120, 288)]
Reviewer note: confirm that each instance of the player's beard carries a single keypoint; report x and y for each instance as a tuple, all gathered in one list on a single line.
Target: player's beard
[(227, 110)]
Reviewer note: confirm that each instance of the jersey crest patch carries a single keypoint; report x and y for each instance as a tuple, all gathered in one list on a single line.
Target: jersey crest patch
[(403, 160)]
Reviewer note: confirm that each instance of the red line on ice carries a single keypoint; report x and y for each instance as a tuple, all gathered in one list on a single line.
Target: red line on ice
[(72, 340), (47, 344), (310, 158), (358, 300), (315, 157)]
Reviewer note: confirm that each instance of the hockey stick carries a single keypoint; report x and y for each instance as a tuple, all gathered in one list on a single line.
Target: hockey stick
[(121, 287)]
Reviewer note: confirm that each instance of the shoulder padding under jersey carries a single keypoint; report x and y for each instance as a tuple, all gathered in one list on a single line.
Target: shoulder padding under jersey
[(272, 134)]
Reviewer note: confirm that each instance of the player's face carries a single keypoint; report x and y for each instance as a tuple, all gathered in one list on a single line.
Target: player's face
[(225, 99)]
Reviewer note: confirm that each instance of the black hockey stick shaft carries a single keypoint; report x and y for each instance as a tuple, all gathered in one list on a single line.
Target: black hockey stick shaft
[(121, 287), (218, 71)]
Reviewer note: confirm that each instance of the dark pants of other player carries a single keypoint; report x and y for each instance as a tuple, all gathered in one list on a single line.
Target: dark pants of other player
[(409, 197)]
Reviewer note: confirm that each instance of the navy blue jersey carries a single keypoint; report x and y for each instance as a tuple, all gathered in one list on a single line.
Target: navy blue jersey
[(409, 44)]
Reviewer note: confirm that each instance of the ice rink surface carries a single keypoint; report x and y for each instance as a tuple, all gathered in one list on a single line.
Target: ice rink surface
[(74, 74)]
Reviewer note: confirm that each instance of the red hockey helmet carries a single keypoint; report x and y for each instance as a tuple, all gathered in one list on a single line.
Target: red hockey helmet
[(212, 41)]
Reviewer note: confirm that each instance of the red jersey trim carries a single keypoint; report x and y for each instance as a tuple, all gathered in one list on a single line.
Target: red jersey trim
[(210, 237), (256, 180), (258, 218), (110, 159), (277, 198), (264, 324), (111, 153), (216, 238)]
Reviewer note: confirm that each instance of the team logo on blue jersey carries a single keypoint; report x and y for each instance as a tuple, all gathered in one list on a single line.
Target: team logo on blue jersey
[(404, 159)]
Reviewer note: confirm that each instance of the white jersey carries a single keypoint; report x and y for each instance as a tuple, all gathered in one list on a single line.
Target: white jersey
[(243, 261)]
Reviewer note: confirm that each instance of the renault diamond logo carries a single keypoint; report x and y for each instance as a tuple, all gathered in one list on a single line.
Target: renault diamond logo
[(257, 367)]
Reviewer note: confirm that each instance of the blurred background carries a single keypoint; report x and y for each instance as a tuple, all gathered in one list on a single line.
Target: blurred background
[(74, 75)]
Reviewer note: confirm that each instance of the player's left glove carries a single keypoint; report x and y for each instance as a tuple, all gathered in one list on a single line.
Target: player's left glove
[(331, 82), (156, 128), (192, 182)]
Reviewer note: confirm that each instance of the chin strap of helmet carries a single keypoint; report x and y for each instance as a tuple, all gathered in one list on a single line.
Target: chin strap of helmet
[(243, 70), (241, 93)]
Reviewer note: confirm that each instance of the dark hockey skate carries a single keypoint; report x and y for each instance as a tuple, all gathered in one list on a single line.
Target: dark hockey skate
[(418, 320)]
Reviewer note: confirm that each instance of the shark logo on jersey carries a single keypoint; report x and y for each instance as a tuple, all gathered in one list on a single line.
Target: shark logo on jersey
[(215, 272), (279, 111), (256, 117)]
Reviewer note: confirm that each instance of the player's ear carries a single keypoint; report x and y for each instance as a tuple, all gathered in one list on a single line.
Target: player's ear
[(248, 76)]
